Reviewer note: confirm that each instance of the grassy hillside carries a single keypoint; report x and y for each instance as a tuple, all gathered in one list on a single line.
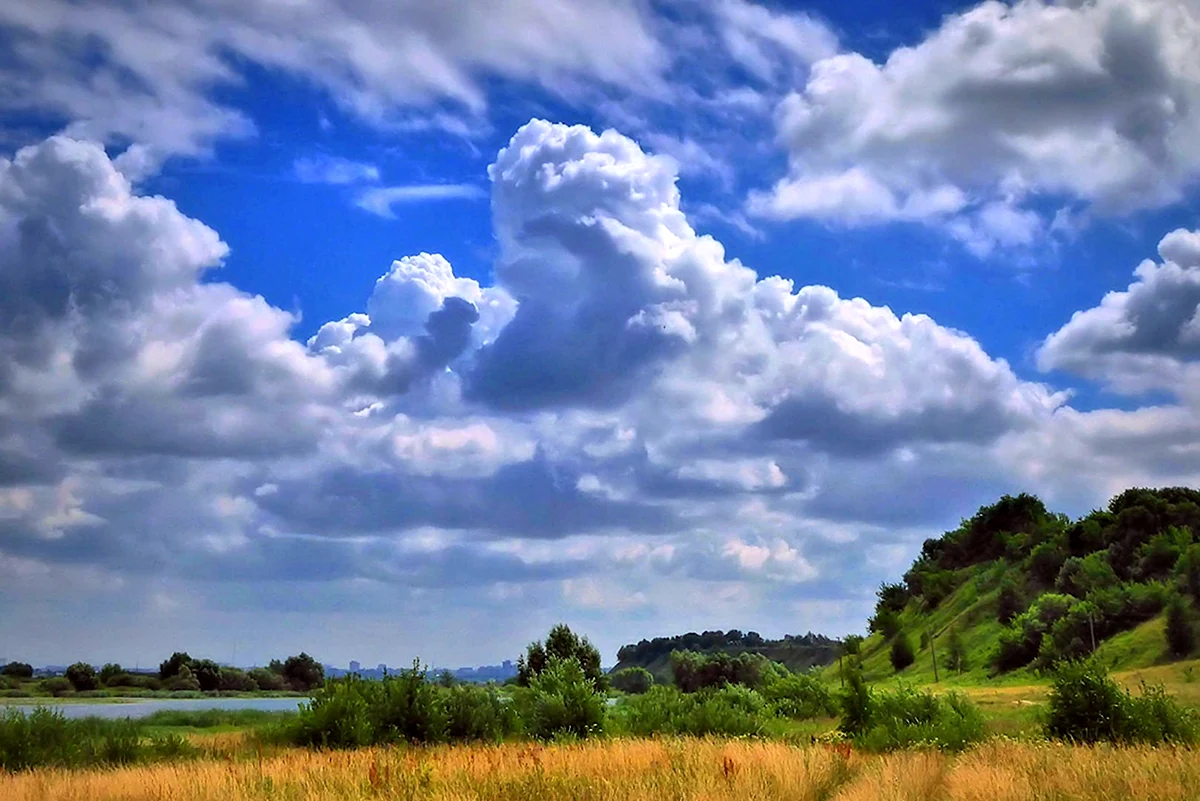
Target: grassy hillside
[(796, 653), (1021, 588)]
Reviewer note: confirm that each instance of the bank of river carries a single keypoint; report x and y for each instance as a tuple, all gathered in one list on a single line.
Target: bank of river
[(144, 707)]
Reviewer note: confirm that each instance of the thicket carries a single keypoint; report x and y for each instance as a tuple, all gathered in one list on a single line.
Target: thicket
[(906, 718), (44, 738), (1086, 706)]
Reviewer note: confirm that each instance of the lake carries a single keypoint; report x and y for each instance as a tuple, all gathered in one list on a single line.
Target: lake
[(143, 707)]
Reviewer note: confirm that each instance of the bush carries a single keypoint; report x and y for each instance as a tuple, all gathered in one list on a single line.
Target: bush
[(183, 681), (1086, 706), (57, 686), (109, 672), (82, 676), (474, 713), (562, 701), (634, 680), (1008, 603), (267, 679), (17, 670), (902, 653), (207, 674), (234, 680), (731, 711), (956, 652), (799, 697), (886, 622), (1181, 637), (562, 644), (406, 708), (44, 738), (904, 718)]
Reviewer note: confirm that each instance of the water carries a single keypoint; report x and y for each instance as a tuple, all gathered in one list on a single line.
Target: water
[(143, 707)]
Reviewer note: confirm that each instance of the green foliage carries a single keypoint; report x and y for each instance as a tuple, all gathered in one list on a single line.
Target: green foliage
[(852, 644), (562, 701), (235, 680), (207, 674), (267, 679), (57, 686), (885, 622), (475, 713), (109, 672), (1008, 602), (1180, 633), (183, 681), (302, 673), (561, 644), (1079, 576), (44, 738), (634, 680), (1187, 571), (694, 671), (82, 677), (1086, 706), (730, 711), (17, 670), (902, 653), (172, 666), (904, 718), (956, 652), (799, 697), (1045, 561)]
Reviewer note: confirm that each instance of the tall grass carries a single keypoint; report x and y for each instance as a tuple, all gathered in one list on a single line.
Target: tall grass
[(45, 738), (634, 770)]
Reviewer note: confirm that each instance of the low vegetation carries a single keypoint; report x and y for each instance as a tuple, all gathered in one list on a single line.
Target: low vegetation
[(43, 737)]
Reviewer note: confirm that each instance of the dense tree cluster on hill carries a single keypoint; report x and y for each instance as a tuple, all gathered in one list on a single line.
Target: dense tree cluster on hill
[(1066, 585), (647, 651)]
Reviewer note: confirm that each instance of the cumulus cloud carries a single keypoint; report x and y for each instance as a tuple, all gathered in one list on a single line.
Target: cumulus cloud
[(1002, 108), (147, 71), (625, 418), (1144, 337)]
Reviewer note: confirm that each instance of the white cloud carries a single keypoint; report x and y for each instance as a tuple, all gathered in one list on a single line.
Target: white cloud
[(1002, 105), (334, 170), (380, 200)]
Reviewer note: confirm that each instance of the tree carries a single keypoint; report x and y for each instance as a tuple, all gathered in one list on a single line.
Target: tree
[(1187, 571), (886, 622), (852, 644), (82, 676), (902, 653), (956, 652), (634, 680), (267, 679), (1181, 638), (207, 674), (17, 670), (446, 679), (303, 673), (171, 667), (109, 672), (1008, 605), (563, 644)]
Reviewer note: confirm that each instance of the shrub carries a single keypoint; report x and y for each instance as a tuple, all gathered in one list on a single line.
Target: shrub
[(852, 644), (267, 679), (799, 697), (406, 708), (234, 680), (110, 671), (183, 681), (338, 716), (634, 680), (905, 717), (731, 711), (902, 653), (1045, 562), (956, 652), (562, 644), (474, 713), (44, 738), (17, 670), (886, 622), (1008, 603), (1086, 706), (82, 676), (1187, 571), (1181, 637), (57, 686), (562, 701)]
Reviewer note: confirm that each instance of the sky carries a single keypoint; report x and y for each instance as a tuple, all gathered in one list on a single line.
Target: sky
[(385, 329)]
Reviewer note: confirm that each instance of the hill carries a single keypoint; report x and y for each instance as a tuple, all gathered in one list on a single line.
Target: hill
[(799, 652), (1016, 588)]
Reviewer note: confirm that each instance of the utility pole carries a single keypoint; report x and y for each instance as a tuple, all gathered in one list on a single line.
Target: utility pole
[(933, 653)]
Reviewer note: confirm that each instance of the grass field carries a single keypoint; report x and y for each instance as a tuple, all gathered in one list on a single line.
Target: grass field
[(625, 770)]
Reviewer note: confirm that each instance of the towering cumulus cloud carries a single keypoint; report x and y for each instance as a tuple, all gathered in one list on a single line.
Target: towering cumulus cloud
[(625, 414)]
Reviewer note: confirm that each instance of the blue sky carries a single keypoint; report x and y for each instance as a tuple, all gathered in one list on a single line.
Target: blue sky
[(382, 331)]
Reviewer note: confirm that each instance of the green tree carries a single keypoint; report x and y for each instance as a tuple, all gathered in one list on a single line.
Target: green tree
[(267, 679), (902, 653), (303, 673), (1187, 571), (886, 622), (956, 652), (1181, 637), (562, 644), (82, 676), (207, 674), (109, 672), (852, 644), (633, 680), (18, 670), (1008, 605), (171, 667)]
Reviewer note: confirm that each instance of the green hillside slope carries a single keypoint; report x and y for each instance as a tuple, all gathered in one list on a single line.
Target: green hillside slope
[(1108, 579)]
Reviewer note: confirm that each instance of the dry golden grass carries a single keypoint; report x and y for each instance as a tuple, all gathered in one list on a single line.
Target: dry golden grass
[(634, 770)]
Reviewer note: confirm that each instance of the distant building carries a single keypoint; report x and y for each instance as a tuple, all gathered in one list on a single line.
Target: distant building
[(355, 667)]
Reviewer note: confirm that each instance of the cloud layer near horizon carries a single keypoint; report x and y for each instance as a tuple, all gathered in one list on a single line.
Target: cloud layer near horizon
[(626, 425)]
